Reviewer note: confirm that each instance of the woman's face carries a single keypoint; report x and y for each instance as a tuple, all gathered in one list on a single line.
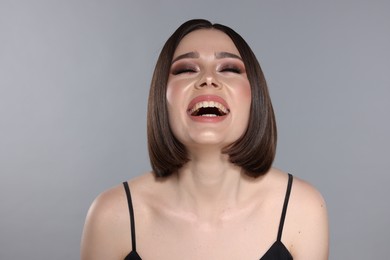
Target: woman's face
[(208, 92)]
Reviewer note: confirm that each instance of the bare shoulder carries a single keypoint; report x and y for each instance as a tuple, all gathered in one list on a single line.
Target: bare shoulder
[(147, 190), (306, 225), (309, 197), (103, 225), (106, 233), (111, 206), (107, 204), (304, 197)]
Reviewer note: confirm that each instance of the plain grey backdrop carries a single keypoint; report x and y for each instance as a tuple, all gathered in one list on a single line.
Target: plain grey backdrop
[(74, 80)]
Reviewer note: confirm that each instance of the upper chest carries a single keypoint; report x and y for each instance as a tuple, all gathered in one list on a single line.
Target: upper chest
[(241, 235)]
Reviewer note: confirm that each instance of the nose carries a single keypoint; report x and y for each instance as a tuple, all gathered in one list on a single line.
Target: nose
[(208, 80)]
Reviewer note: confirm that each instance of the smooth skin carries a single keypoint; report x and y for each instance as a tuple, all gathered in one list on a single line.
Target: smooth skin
[(209, 209)]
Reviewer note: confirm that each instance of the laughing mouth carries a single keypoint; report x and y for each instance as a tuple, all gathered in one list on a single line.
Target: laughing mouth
[(208, 109)]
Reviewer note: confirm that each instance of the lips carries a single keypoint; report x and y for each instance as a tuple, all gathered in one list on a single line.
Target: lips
[(208, 108)]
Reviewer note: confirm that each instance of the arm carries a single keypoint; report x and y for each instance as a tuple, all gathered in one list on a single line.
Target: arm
[(311, 235)]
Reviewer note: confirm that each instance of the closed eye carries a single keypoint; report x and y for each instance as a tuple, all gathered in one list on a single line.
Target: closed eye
[(230, 68), (182, 70), (234, 70)]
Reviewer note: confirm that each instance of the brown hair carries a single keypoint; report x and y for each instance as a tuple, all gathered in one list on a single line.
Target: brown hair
[(254, 151)]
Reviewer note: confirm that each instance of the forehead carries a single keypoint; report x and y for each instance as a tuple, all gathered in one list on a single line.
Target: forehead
[(206, 41)]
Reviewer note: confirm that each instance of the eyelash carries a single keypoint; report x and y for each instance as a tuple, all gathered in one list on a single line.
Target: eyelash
[(189, 69), (231, 68), (182, 70)]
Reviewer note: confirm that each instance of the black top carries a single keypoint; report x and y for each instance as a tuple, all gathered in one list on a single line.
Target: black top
[(276, 252)]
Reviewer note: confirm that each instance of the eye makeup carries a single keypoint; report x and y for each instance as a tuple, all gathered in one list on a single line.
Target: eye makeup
[(225, 63), (183, 68), (231, 68)]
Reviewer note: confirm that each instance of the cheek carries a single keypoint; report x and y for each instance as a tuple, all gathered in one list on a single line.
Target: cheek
[(247, 93), (175, 92), (170, 94), (173, 97), (246, 89), (243, 103), (243, 94), (176, 107), (247, 100)]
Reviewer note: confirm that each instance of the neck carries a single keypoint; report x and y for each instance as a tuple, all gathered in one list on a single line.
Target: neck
[(209, 184)]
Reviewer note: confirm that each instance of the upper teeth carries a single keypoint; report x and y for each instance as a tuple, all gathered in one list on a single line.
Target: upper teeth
[(209, 104)]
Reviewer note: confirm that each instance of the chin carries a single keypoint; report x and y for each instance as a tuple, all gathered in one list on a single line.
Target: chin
[(209, 140)]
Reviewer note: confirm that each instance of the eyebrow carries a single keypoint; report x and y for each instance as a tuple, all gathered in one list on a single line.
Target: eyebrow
[(195, 55), (221, 55), (192, 55)]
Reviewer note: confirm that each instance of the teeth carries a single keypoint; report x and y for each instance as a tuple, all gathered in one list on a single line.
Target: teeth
[(209, 104), (209, 115)]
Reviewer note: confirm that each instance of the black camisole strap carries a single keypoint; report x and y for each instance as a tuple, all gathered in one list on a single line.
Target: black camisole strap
[(131, 212), (288, 191)]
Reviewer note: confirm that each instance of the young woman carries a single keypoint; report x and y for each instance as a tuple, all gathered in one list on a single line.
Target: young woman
[(212, 193)]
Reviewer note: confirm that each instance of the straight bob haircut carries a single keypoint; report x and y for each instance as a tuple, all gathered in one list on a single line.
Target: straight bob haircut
[(254, 151)]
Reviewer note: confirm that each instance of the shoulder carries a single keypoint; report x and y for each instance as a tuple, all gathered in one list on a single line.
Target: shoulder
[(304, 197), (148, 191), (106, 233), (307, 202), (107, 206), (307, 193), (111, 206), (306, 223)]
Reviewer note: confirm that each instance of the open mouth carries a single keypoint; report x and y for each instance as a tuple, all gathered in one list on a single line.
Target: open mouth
[(208, 109)]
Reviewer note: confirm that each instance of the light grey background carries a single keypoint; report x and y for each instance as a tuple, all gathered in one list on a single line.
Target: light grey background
[(74, 79)]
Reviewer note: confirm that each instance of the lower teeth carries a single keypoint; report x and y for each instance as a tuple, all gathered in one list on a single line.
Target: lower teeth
[(209, 115)]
